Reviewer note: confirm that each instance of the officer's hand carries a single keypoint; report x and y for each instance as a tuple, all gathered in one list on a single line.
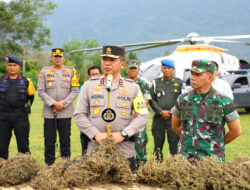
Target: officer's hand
[(59, 105), (55, 111), (100, 137), (117, 137), (165, 114)]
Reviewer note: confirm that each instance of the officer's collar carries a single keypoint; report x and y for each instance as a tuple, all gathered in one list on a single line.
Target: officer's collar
[(19, 77), (163, 79), (52, 70), (209, 94), (119, 84)]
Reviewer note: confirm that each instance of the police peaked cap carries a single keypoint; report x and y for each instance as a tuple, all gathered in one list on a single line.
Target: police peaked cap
[(112, 51), (57, 52), (168, 62), (12, 59)]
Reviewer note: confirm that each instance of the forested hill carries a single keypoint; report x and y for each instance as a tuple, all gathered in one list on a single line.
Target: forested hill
[(130, 21)]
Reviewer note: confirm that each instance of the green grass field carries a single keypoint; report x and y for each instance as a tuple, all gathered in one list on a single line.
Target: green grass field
[(241, 146)]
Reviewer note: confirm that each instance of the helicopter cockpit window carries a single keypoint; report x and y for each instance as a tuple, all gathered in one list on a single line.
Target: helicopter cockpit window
[(242, 80)]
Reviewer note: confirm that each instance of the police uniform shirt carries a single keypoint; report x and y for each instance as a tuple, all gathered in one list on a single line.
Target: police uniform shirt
[(125, 97), (56, 85), (164, 93)]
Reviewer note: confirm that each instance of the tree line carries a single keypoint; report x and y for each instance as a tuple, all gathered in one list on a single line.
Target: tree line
[(23, 34)]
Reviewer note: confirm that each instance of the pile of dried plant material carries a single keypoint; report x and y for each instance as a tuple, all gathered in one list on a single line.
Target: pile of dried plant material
[(19, 169), (105, 165), (217, 175), (51, 177), (2, 161), (209, 173), (241, 165), (175, 173)]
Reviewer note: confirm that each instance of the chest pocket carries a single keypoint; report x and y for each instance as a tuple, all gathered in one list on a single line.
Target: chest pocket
[(212, 120), (96, 107), (3, 89), (187, 111), (66, 83), (123, 109), (21, 90), (214, 113), (50, 82)]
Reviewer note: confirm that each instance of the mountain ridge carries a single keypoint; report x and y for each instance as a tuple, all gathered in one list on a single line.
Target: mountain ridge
[(122, 22)]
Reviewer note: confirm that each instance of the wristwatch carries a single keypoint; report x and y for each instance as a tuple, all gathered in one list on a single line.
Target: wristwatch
[(124, 134)]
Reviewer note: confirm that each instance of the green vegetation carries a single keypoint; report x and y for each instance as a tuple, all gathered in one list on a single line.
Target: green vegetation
[(240, 146), (22, 31)]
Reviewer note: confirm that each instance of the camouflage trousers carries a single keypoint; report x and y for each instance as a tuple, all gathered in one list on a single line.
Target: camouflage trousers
[(141, 140)]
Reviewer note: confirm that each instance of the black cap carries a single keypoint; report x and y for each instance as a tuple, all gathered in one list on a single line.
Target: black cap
[(113, 51), (12, 59), (58, 52)]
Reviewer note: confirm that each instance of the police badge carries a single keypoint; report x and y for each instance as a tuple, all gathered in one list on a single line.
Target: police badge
[(108, 115)]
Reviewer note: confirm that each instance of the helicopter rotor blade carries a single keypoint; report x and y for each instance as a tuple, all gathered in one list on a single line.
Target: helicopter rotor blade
[(153, 46), (85, 49), (153, 43), (226, 41), (146, 44), (190, 39), (232, 37)]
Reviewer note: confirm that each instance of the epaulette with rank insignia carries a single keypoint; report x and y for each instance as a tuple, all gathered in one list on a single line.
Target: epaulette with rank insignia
[(102, 81)]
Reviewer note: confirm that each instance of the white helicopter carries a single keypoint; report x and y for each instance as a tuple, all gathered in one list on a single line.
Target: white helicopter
[(184, 55)]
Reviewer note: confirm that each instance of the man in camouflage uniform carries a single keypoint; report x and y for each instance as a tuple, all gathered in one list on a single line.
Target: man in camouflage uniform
[(93, 107), (164, 92), (141, 139), (57, 87), (199, 116)]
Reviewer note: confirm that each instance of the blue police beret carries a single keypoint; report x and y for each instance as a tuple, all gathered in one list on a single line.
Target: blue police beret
[(168, 63), (12, 59)]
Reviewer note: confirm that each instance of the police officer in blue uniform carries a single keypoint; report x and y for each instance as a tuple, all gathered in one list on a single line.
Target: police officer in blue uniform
[(16, 97)]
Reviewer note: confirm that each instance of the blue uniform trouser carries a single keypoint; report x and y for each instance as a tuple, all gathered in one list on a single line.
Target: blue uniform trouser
[(21, 128), (51, 126)]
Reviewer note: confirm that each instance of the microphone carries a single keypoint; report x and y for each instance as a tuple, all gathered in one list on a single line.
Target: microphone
[(109, 81)]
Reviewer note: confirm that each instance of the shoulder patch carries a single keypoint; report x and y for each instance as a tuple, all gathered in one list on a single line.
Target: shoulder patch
[(31, 89)]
